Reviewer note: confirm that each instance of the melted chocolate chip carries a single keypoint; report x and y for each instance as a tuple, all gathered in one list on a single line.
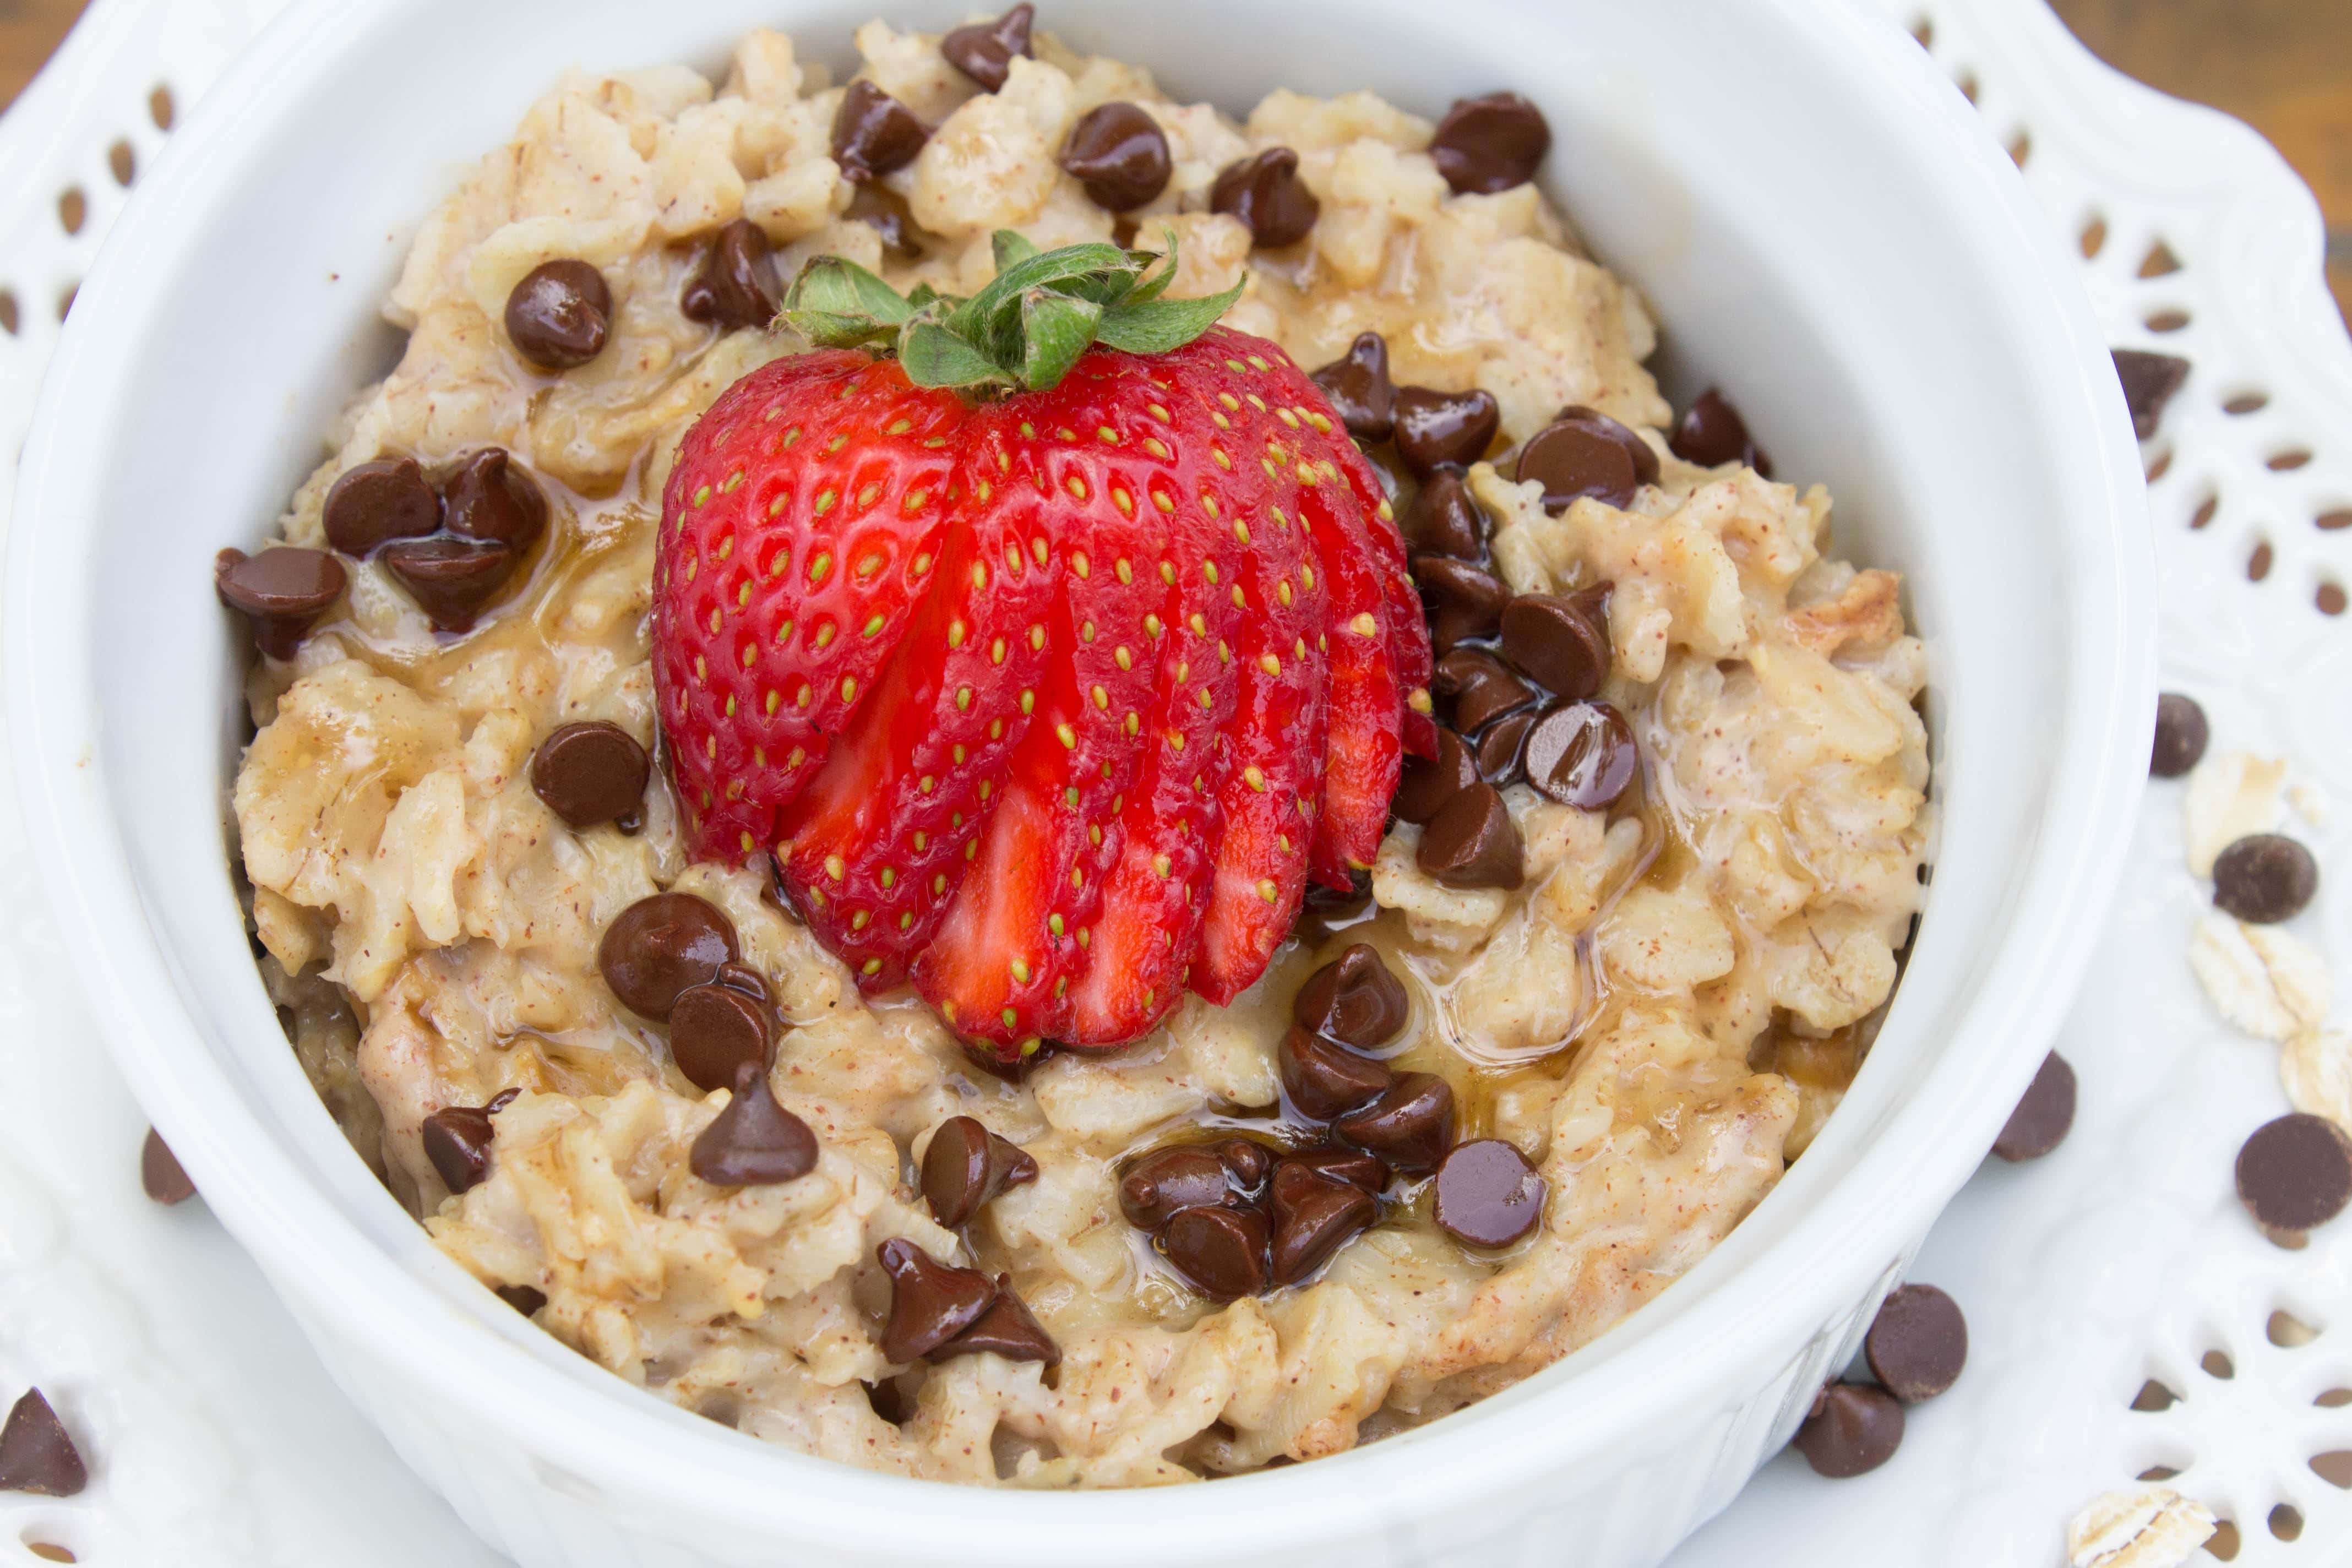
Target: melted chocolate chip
[(36, 1455), (744, 978), (1409, 1127), (1358, 385), (1472, 842), (283, 591), (1584, 453), (487, 496), (1487, 1193), (1489, 144), (1464, 601), (931, 1302), (873, 134), (1325, 1079), (1445, 520), (2295, 1173), (2041, 1122), (1918, 1343), (1482, 689), (1500, 745), (1582, 755), (450, 579), (1854, 1428), (659, 946), (753, 1141), (1015, 1072), (1354, 999), (1166, 1182), (160, 1173), (984, 50), (524, 1298), (715, 1030), (2149, 381), (1007, 1329), (1313, 1218), (2265, 878), (558, 316), (735, 286), (1434, 428), (373, 503), (885, 212), (966, 1165), (1222, 1251), (1336, 1163), (590, 773), (1246, 1161), (1264, 192), (1120, 154), (1426, 783), (457, 1139), (2181, 734), (1713, 434), (1561, 641)]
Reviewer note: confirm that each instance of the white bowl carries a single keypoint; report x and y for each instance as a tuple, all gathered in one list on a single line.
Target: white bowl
[(1821, 227)]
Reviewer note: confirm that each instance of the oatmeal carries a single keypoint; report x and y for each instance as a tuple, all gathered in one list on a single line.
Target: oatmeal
[(574, 987)]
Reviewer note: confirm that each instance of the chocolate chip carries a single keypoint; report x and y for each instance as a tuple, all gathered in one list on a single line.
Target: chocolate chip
[(1164, 1183), (1854, 1428), (1264, 192), (1463, 600), (590, 773), (1426, 784), (2042, 1118), (1561, 641), (1246, 1161), (2181, 734), (890, 1401), (1713, 434), (1433, 429), (524, 1298), (1015, 1072), (660, 945), (1313, 1218), (1358, 385), (1644, 458), (1353, 999), (1007, 1329), (884, 211), (457, 1139), (1445, 520), (487, 496), (1582, 755), (1325, 1079), (1337, 1162), (35, 1453), (2295, 1173), (559, 314), (744, 978), (873, 134), (2265, 878), (931, 1302), (1489, 144), (450, 579), (714, 1030), (1918, 1343), (1575, 460), (283, 591), (1120, 154), (1482, 687), (1500, 745), (1221, 1250), (1409, 1127), (1487, 1193), (2149, 381), (984, 50), (966, 1165), (1472, 842), (753, 1142), (735, 286), (160, 1173), (373, 503)]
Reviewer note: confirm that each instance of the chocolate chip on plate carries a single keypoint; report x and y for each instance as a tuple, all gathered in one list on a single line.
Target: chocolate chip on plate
[(1433, 427), (984, 50), (524, 1298), (160, 1173), (590, 773), (1246, 1161), (1264, 192), (1561, 641), (373, 503), (1576, 458), (1582, 755), (1445, 520), (487, 496), (1324, 1079), (1482, 687), (2181, 734), (1464, 601), (1120, 154), (1487, 1193), (1490, 143), (873, 134), (2295, 1173), (283, 591), (2042, 1118), (1712, 434), (1472, 842), (36, 1455), (2265, 878), (1339, 1162), (1313, 1218), (931, 1302), (2149, 381), (1007, 1329), (559, 316), (660, 945), (735, 285), (1918, 1343), (966, 1165), (450, 578), (885, 212), (753, 1141), (1409, 1127), (1162, 1184), (1354, 999), (715, 1030), (457, 1139), (1358, 385), (1223, 1251), (1854, 1429), (1500, 745), (1424, 783)]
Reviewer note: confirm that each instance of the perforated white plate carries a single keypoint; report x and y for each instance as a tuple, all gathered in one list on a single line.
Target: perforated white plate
[(216, 1439)]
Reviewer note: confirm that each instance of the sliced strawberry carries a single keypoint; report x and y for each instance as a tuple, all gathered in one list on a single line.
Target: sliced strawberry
[(1364, 756)]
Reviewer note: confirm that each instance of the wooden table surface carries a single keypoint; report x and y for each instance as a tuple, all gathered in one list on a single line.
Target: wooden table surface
[(2285, 65)]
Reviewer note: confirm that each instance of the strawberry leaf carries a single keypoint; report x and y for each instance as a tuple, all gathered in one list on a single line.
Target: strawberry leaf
[(1054, 330), (839, 304), (1156, 326), (934, 355)]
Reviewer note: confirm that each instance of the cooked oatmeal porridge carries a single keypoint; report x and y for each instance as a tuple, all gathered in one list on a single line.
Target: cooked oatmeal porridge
[(1553, 1023)]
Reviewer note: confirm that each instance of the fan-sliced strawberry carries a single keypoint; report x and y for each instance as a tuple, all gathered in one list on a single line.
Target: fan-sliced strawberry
[(1363, 753), (1408, 650)]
